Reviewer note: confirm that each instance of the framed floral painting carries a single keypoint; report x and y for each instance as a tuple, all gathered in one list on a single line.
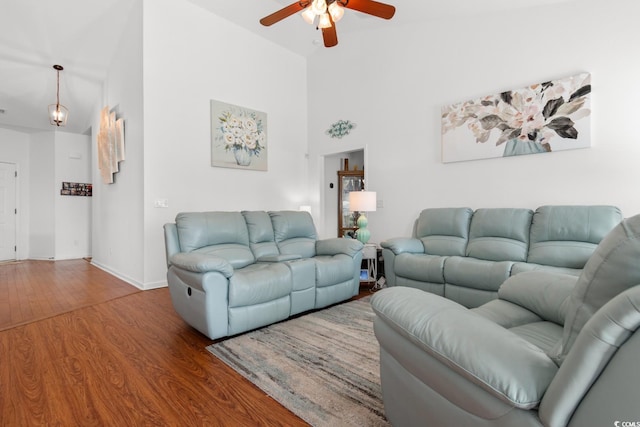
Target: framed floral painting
[(540, 118), (238, 137)]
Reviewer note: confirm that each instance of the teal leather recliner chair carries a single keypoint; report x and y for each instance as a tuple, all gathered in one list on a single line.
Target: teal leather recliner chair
[(549, 351)]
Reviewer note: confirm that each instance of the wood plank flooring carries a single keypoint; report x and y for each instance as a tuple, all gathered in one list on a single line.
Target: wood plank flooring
[(35, 290), (99, 352)]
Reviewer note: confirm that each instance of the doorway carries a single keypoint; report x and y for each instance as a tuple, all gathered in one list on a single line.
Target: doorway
[(332, 164), (8, 211)]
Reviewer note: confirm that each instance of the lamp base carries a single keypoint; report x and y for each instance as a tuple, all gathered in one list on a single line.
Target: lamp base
[(362, 233)]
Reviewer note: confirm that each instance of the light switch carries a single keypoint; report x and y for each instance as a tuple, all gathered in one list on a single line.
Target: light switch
[(161, 203)]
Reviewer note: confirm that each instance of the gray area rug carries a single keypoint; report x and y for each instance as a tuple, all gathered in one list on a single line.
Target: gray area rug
[(323, 366)]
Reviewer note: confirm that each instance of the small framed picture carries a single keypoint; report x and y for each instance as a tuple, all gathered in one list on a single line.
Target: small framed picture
[(364, 275)]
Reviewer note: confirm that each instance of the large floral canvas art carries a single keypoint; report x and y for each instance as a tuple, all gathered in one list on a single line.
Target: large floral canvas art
[(540, 118), (238, 137)]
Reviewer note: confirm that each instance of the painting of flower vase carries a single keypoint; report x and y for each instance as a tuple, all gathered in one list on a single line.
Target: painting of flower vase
[(238, 137), (541, 118)]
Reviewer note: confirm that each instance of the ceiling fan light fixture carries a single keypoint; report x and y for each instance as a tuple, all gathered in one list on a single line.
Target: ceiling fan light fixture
[(325, 21), (58, 113), (336, 11), (308, 15), (319, 7)]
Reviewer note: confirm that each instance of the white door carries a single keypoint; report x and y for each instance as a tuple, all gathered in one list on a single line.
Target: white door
[(7, 211)]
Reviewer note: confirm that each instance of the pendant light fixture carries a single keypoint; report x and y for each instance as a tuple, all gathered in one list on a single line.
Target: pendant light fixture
[(58, 113)]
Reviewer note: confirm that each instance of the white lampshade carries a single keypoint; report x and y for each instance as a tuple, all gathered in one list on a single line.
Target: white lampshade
[(319, 6), (325, 21), (308, 15), (362, 201), (336, 11)]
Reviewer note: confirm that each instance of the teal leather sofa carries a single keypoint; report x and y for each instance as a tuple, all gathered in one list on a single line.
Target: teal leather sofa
[(465, 255), (551, 350), (230, 272)]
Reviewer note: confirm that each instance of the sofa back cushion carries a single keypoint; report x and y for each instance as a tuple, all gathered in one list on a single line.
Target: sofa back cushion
[(294, 232), (566, 236), (499, 234), (444, 231), (612, 269), (261, 238), (223, 234)]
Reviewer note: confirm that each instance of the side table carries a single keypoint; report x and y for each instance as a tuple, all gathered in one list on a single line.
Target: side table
[(369, 275)]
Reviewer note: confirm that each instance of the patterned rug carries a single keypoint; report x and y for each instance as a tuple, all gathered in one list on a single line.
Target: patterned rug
[(323, 366)]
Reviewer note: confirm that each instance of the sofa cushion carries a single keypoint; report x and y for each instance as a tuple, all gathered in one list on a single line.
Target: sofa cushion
[(545, 294), (476, 273), (421, 267), (294, 232), (566, 236), (332, 270), (199, 229), (601, 369), (521, 267), (223, 234), (444, 231), (261, 237), (612, 269), (259, 283), (499, 234), (543, 335), (506, 314)]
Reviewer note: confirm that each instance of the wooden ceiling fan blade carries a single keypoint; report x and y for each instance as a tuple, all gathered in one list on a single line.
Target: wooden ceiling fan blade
[(284, 12), (330, 35), (371, 7)]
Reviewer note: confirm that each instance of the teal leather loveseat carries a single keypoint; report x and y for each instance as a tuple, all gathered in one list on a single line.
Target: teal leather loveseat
[(465, 255), (230, 272), (551, 350)]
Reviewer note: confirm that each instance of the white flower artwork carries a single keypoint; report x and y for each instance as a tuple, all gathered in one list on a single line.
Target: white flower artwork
[(238, 137), (540, 118)]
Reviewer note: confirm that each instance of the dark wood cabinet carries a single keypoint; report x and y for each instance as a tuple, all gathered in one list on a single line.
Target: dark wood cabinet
[(347, 181)]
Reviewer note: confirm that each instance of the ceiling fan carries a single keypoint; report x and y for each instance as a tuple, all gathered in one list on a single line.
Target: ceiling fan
[(328, 13)]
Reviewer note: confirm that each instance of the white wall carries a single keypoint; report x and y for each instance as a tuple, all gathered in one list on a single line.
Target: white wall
[(168, 131), (49, 226), (72, 213), (202, 58), (394, 83), (117, 215), (14, 148), (42, 196)]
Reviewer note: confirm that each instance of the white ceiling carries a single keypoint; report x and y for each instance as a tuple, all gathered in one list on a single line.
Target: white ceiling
[(82, 36)]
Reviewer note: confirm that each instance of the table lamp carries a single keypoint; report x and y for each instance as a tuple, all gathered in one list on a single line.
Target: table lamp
[(362, 201)]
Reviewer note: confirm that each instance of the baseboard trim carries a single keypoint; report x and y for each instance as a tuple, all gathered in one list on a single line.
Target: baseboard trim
[(122, 277), (137, 284)]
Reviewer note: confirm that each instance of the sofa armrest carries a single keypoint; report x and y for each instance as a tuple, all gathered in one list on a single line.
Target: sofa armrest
[(201, 263), (399, 245), (503, 364), (338, 245), (171, 242)]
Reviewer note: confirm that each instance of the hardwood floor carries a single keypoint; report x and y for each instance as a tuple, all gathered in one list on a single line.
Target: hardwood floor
[(81, 348), (35, 290)]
